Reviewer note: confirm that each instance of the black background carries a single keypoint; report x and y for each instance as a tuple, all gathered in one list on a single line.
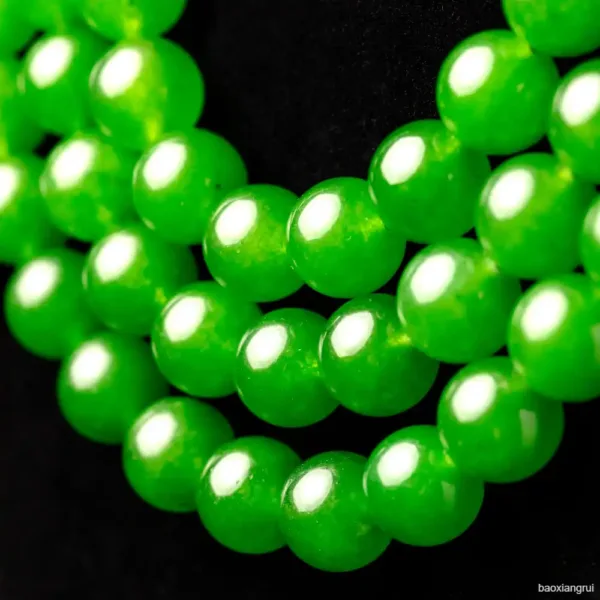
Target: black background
[(306, 90)]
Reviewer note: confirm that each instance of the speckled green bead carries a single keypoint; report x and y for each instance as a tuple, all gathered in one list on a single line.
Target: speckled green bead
[(590, 241), (368, 361), (416, 493), (51, 15), (15, 30), (239, 495), (277, 373), (196, 337), (324, 518), (529, 216), (167, 448), (425, 183), (495, 94)]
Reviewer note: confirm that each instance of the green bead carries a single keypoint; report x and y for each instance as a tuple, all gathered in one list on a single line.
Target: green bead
[(245, 246), (277, 373), (324, 514), (15, 30), (553, 338), (179, 182), (425, 183), (338, 243), (239, 495), (130, 276), (140, 89), (50, 15), (167, 448), (494, 426), (590, 241), (105, 384), (45, 305), (494, 94), (530, 214), (368, 361), (197, 335)]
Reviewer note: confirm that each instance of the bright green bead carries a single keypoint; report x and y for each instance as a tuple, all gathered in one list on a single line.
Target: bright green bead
[(197, 335), (239, 495), (140, 89), (15, 30), (45, 305), (416, 493), (277, 373), (50, 15), (530, 214), (494, 94), (368, 361), (179, 182), (338, 243), (590, 241), (245, 246), (130, 276), (167, 448), (425, 183), (324, 514), (553, 338), (454, 303), (105, 384), (494, 426)]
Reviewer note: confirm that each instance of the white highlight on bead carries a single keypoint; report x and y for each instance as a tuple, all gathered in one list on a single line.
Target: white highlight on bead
[(403, 159), (230, 472), (511, 193), (119, 73), (351, 333), (312, 489), (235, 221), (156, 434), (9, 183), (581, 99), (544, 314), (266, 346), (471, 70), (164, 164), (319, 216), (115, 256), (398, 464), (89, 365), (50, 61), (473, 397), (183, 318), (432, 277), (72, 163), (37, 281)]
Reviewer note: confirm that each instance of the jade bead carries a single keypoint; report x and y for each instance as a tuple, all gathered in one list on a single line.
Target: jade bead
[(324, 517), (494, 426), (277, 372), (196, 337), (179, 182), (529, 216), (131, 274), (104, 385), (368, 361), (15, 30), (454, 302), (553, 338), (239, 494), (167, 448), (140, 89), (245, 246), (338, 242), (50, 15), (425, 183), (45, 305), (590, 241), (495, 94)]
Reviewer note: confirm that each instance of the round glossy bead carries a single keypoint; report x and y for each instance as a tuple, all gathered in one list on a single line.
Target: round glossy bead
[(416, 493), (45, 306), (426, 183), (239, 495), (338, 243), (277, 373), (50, 15), (179, 182), (325, 520), (494, 426), (245, 246), (167, 448), (368, 361), (130, 276), (530, 214), (590, 241), (105, 384), (15, 30), (495, 94), (140, 89), (197, 335), (454, 303), (553, 338)]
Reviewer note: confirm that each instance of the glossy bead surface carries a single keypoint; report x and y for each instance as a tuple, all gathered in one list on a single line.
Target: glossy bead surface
[(494, 94), (15, 30), (50, 15), (416, 493), (167, 448), (197, 335), (494, 426), (325, 520), (239, 495), (425, 183), (130, 276), (454, 303), (368, 361), (590, 241), (277, 373)]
